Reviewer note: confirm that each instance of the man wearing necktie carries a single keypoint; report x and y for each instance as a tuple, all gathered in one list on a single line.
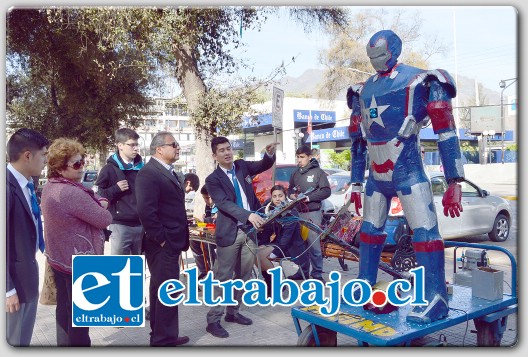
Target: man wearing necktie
[(230, 187), (27, 152), (161, 209)]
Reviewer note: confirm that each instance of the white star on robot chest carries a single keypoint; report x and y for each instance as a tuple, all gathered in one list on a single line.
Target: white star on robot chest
[(372, 114)]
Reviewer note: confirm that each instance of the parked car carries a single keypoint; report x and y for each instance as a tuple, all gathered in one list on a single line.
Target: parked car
[(41, 182), (334, 171), (339, 184), (263, 182), (482, 213), (89, 178)]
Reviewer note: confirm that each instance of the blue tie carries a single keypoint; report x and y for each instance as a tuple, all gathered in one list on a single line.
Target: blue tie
[(237, 188), (36, 212)]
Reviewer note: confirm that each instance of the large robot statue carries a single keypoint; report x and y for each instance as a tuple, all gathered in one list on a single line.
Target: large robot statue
[(388, 111)]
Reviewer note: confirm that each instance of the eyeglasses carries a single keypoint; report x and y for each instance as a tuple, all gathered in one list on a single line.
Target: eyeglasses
[(174, 144), (133, 146), (77, 164)]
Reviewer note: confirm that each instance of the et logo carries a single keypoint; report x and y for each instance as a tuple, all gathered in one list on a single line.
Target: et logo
[(108, 290)]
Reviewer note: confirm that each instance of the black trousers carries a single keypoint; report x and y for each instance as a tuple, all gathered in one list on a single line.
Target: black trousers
[(163, 264), (67, 335)]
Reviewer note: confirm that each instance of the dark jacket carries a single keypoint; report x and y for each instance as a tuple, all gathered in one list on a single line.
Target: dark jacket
[(310, 176), (288, 241), (122, 203), (161, 206), (21, 266), (222, 191)]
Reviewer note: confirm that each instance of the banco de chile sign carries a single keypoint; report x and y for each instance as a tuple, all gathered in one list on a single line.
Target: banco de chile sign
[(108, 290)]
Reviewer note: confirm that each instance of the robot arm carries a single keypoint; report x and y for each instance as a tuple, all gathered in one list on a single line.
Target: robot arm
[(440, 111), (358, 149)]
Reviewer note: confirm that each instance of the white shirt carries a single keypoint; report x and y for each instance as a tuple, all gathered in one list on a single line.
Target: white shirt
[(245, 203)]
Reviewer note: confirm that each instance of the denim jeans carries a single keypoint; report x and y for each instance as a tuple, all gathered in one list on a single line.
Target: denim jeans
[(125, 240)]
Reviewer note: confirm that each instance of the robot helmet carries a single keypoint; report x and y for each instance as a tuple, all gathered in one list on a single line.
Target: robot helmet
[(383, 49)]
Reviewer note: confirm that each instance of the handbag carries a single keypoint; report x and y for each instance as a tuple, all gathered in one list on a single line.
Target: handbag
[(48, 295)]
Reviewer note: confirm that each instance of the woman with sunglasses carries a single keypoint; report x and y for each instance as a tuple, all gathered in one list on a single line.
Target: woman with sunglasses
[(74, 223)]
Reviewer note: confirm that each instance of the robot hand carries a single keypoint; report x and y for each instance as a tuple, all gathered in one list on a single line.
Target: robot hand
[(355, 197), (451, 200)]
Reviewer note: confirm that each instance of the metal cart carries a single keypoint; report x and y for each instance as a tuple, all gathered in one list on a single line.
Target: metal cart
[(392, 329)]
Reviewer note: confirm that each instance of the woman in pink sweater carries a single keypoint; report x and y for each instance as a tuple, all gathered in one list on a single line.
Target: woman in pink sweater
[(74, 219)]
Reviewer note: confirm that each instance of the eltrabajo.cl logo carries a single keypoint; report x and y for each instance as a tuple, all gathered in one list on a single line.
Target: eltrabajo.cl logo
[(108, 290)]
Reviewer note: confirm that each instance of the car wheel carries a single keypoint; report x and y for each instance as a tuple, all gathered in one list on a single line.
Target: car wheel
[(501, 228)]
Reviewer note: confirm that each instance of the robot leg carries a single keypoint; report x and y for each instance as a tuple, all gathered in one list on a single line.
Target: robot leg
[(372, 236), (430, 255), (429, 249)]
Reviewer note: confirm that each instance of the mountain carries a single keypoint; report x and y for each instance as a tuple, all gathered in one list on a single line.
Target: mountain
[(306, 86)]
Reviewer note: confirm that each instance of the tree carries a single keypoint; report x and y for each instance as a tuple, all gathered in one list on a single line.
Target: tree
[(56, 84), (346, 59), (198, 43), (341, 159)]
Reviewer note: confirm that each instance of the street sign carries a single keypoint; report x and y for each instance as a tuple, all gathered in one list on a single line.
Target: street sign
[(278, 99)]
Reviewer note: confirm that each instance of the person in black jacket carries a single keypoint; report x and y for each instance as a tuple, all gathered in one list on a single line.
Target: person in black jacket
[(287, 242), (309, 176), (161, 207), (27, 155), (116, 182), (230, 187)]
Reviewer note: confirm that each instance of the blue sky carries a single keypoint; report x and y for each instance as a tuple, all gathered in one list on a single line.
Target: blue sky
[(485, 43)]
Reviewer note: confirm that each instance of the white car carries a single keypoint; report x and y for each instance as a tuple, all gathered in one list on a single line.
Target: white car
[(482, 213)]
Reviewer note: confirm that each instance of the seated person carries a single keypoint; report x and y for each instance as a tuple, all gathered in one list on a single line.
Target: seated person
[(201, 257), (287, 241)]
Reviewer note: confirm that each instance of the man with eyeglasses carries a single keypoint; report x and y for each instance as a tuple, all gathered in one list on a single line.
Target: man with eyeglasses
[(161, 207), (116, 182)]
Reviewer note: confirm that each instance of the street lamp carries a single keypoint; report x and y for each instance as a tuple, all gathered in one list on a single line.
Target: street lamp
[(503, 85), (296, 135)]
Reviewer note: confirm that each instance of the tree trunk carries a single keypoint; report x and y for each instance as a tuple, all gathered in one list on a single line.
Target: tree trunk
[(194, 90)]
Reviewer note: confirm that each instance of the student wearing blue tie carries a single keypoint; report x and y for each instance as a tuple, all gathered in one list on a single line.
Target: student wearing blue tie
[(27, 155), (231, 189)]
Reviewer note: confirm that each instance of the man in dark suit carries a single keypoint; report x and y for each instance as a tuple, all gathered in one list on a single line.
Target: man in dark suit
[(161, 208), (231, 189), (27, 154)]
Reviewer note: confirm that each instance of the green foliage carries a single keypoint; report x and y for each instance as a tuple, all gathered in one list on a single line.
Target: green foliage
[(466, 146), (57, 85), (512, 147), (341, 159), (82, 72)]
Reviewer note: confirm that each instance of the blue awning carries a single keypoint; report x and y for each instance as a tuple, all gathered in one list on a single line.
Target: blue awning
[(341, 133)]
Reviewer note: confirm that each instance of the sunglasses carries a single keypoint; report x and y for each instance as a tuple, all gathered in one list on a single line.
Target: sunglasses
[(174, 144), (77, 164)]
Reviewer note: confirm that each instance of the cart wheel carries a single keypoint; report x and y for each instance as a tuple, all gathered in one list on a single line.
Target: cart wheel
[(327, 338)]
